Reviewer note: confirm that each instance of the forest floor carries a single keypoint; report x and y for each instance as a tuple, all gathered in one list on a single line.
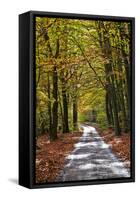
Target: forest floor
[(95, 154), (50, 156), (92, 159), (119, 145)]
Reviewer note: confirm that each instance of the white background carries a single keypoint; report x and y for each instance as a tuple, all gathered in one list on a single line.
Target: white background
[(9, 10)]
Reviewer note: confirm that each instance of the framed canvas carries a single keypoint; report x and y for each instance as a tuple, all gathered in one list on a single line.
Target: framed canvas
[(76, 99)]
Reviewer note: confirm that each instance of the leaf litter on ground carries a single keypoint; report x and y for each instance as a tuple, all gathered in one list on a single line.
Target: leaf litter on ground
[(50, 155)]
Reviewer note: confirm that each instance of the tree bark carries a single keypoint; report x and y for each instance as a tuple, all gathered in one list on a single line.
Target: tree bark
[(75, 114), (55, 104), (65, 110), (49, 107), (107, 51), (124, 34), (108, 113)]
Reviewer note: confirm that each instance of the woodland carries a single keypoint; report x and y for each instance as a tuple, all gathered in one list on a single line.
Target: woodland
[(83, 72)]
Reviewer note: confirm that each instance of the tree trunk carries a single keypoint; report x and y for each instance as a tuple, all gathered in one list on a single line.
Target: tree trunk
[(111, 112), (108, 114), (115, 109), (61, 111), (125, 50), (75, 114), (127, 72), (65, 110), (49, 107), (55, 104)]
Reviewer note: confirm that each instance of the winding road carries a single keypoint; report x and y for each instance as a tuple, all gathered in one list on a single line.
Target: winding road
[(92, 159)]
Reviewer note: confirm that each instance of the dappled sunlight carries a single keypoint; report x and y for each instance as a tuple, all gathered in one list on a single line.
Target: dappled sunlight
[(84, 144), (104, 145), (88, 129), (100, 160), (119, 169), (87, 166), (117, 164), (78, 156), (92, 158), (82, 76)]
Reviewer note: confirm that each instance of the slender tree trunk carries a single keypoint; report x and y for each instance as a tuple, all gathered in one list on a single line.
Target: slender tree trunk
[(112, 94), (75, 114), (109, 119), (61, 109), (55, 95), (127, 72), (115, 109), (49, 107), (111, 112), (124, 34), (65, 110), (55, 104)]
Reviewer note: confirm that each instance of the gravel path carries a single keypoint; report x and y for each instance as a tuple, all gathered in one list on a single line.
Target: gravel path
[(92, 159)]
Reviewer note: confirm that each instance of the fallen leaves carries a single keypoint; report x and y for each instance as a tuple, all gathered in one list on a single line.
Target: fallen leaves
[(119, 145), (50, 156)]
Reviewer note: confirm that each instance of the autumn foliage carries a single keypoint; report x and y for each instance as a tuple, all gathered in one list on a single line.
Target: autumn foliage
[(50, 156), (119, 145), (83, 75)]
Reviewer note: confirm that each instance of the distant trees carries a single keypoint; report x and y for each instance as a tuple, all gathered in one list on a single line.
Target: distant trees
[(81, 65)]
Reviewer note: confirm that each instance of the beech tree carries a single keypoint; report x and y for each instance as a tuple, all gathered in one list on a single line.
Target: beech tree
[(81, 66)]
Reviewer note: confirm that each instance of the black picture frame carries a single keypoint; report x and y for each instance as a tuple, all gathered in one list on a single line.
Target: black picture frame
[(27, 98)]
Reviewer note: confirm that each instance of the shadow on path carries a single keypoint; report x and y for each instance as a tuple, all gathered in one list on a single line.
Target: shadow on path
[(92, 159)]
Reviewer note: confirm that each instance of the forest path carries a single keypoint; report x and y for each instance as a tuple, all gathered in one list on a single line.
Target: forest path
[(92, 159)]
